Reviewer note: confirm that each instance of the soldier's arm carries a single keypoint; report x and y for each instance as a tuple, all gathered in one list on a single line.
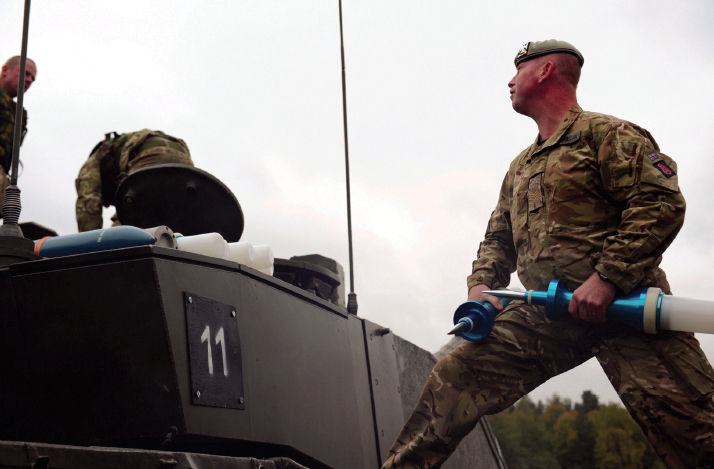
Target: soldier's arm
[(6, 135), (496, 258), (643, 181), (88, 208)]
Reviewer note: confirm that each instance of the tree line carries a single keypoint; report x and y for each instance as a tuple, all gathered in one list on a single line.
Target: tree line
[(586, 435)]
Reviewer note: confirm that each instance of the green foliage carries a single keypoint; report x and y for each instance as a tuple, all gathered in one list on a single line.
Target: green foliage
[(524, 442), (620, 444), (551, 414), (586, 435), (563, 435), (590, 402)]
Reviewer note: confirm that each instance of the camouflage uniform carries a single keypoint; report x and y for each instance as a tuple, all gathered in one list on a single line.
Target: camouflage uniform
[(597, 195), (113, 159), (7, 129)]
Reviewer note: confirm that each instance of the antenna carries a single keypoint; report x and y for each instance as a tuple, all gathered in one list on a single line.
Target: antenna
[(14, 247), (352, 297), (16, 140)]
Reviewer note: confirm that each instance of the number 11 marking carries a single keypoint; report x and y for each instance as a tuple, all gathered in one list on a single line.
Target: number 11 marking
[(220, 339)]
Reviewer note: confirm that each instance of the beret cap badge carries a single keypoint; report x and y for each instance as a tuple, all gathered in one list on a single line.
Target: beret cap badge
[(531, 50), (523, 50)]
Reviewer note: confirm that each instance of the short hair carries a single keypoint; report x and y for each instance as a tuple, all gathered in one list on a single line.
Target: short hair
[(14, 61), (568, 67)]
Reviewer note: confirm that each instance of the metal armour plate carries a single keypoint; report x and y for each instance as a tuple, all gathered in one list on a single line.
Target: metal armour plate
[(214, 353)]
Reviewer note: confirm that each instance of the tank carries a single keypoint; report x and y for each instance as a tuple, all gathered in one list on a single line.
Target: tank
[(152, 356)]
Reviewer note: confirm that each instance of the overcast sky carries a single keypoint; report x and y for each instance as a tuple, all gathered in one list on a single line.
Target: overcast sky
[(254, 88)]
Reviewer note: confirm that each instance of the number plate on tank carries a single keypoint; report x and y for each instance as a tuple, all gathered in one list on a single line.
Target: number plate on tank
[(214, 353)]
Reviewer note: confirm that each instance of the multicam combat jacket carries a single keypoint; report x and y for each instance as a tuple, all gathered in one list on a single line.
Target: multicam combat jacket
[(597, 195), (7, 130), (113, 159)]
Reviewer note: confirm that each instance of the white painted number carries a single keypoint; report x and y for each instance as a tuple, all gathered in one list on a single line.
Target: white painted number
[(220, 339), (205, 337)]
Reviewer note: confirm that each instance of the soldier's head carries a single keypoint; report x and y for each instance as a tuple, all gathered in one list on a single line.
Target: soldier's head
[(544, 69), (10, 75)]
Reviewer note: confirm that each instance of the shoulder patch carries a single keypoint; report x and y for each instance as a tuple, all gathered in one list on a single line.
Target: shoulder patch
[(664, 169), (653, 156)]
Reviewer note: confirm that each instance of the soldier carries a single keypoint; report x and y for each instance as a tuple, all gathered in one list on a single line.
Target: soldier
[(9, 87), (594, 202), (112, 159)]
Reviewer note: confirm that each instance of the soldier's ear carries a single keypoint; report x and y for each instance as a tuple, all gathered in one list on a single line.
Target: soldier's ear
[(546, 69)]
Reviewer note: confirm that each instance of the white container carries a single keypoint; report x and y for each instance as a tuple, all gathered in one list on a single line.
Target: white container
[(208, 244), (263, 257), (241, 252)]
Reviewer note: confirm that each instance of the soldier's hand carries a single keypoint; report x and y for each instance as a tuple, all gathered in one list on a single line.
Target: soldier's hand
[(591, 299), (476, 294)]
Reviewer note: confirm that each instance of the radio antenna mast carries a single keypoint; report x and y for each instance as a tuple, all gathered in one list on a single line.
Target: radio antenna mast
[(17, 140), (14, 247), (352, 297)]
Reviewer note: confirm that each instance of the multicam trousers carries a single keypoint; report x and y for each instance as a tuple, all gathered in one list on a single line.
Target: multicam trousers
[(664, 380)]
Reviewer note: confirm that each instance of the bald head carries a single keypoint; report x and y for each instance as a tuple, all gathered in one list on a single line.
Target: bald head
[(10, 75), (12, 62)]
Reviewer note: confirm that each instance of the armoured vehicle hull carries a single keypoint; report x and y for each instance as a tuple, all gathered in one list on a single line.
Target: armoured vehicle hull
[(166, 351)]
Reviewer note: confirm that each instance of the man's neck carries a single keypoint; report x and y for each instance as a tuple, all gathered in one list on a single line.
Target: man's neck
[(550, 117)]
